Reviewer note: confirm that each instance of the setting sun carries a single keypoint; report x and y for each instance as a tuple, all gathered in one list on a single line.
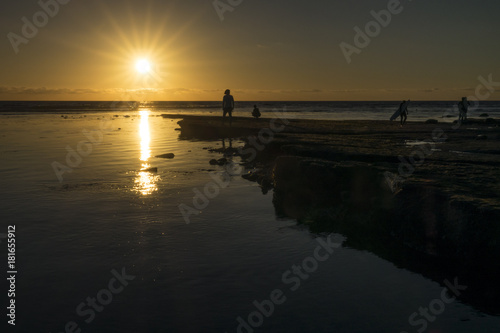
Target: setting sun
[(143, 66)]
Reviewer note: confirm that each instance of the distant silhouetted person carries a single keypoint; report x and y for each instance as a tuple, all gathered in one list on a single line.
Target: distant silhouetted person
[(463, 107), (256, 112), (227, 106), (404, 111)]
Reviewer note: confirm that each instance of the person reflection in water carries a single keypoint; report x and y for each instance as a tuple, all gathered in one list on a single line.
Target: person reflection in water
[(230, 141), (227, 106)]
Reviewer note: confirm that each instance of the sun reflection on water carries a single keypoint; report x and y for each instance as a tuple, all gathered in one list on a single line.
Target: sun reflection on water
[(145, 136), (146, 181)]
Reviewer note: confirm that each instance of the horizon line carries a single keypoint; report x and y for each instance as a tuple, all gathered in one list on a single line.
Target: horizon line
[(240, 101)]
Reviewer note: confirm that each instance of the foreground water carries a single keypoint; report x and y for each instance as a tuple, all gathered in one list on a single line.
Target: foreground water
[(106, 218)]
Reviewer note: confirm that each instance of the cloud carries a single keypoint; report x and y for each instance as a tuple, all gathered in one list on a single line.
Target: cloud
[(84, 91), (180, 93), (314, 91), (46, 91), (429, 90)]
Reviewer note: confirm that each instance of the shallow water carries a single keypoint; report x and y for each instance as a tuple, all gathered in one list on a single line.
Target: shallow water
[(198, 277), (443, 111)]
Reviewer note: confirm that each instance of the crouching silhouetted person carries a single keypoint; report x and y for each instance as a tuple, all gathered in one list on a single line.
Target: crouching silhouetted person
[(256, 113)]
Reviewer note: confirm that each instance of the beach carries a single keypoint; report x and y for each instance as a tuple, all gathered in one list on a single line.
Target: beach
[(243, 237), (250, 167)]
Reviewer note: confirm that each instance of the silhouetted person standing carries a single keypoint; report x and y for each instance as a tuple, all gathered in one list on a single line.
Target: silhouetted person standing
[(463, 107), (404, 111), (227, 106)]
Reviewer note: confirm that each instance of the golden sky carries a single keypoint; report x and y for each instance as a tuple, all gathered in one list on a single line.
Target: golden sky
[(261, 50)]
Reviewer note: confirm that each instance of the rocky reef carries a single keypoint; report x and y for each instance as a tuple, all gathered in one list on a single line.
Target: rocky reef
[(425, 196)]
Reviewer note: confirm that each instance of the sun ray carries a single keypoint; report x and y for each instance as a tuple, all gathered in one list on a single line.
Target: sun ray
[(128, 36)]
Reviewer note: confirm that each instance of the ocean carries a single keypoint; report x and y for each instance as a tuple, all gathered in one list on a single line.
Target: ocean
[(104, 246)]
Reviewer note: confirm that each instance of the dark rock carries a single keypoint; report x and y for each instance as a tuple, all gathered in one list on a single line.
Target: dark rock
[(169, 155), (263, 177), (431, 121), (226, 151), (222, 161), (153, 170), (251, 176), (482, 137), (353, 198), (484, 115), (301, 183)]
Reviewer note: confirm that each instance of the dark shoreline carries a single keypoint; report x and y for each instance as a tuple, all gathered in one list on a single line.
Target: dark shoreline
[(349, 177), (458, 164)]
